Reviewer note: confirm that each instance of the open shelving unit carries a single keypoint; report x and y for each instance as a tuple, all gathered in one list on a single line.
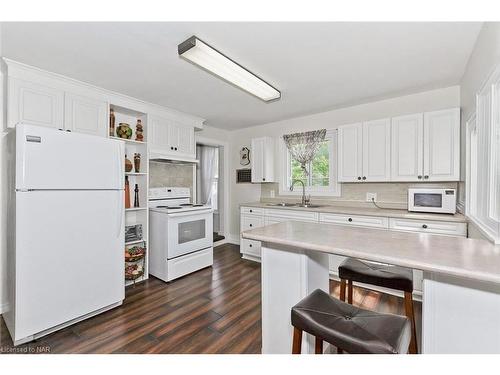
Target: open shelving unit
[(135, 215)]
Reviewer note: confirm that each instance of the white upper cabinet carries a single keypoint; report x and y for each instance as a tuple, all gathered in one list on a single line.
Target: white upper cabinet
[(364, 151), (442, 145), (262, 158), (171, 139), (34, 104), (350, 149), (85, 115), (158, 135), (407, 148), (377, 151)]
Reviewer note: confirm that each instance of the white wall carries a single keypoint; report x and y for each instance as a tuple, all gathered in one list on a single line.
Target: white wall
[(3, 203), (483, 60), (420, 102)]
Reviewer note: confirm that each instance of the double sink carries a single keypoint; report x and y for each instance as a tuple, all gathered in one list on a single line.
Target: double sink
[(283, 204)]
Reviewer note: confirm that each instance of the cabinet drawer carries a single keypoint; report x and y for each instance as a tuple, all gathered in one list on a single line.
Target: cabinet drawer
[(251, 222), (252, 211), (292, 215), (250, 247), (428, 226), (361, 221)]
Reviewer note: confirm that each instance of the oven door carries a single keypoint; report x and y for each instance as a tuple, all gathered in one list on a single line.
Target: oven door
[(188, 232)]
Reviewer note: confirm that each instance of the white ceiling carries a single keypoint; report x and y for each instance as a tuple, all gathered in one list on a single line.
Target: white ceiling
[(317, 66)]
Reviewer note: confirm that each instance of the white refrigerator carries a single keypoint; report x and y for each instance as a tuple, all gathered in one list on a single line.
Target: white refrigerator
[(66, 233)]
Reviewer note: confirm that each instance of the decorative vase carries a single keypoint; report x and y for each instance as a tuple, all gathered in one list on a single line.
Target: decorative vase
[(139, 131), (137, 162), (128, 164), (127, 193), (111, 123), (124, 131)]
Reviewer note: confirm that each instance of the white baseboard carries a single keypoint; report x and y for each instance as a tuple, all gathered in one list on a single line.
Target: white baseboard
[(4, 307), (235, 240)]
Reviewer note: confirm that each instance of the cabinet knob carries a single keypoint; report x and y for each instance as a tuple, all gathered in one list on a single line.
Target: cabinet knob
[(251, 211), (171, 148), (251, 225), (250, 245), (175, 148), (364, 177), (359, 177), (424, 226), (349, 220), (263, 179), (419, 177), (426, 177)]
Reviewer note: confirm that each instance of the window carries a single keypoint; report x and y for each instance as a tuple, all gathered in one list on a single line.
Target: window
[(321, 179), (482, 162)]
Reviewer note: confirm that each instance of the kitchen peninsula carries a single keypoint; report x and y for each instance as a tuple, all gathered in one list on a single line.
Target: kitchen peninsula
[(461, 287)]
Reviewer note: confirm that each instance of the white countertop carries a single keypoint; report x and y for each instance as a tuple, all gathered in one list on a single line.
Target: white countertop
[(457, 256), (384, 212)]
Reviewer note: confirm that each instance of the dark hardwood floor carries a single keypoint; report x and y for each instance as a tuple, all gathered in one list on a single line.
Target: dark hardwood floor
[(215, 310)]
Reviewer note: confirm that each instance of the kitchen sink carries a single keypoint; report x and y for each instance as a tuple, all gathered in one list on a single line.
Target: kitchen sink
[(282, 204), (310, 205)]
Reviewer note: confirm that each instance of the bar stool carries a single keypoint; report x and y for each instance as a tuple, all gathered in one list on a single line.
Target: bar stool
[(347, 327), (391, 277)]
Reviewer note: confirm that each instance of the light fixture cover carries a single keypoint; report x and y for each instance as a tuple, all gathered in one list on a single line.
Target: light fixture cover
[(208, 58)]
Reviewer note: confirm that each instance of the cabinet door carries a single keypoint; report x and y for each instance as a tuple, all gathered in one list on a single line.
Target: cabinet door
[(173, 136), (186, 142), (268, 160), (377, 150), (34, 104), (257, 159), (158, 139), (350, 153), (85, 115), (442, 145), (407, 148)]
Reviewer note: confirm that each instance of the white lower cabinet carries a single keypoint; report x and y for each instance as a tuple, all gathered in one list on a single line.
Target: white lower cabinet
[(429, 226), (254, 217)]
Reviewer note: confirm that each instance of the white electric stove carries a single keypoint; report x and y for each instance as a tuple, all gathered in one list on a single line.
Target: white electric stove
[(181, 233)]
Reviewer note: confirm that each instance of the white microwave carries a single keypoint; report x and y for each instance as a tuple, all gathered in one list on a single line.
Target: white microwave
[(442, 201)]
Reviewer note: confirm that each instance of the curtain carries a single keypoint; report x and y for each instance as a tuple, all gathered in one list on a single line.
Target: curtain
[(205, 172)]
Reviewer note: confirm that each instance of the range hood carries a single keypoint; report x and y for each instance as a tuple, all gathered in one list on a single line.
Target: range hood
[(162, 158)]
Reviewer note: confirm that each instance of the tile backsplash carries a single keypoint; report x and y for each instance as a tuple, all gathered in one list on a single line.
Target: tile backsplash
[(170, 174), (389, 194)]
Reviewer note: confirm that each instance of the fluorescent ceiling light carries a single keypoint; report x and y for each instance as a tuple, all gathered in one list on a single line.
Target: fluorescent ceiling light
[(208, 58)]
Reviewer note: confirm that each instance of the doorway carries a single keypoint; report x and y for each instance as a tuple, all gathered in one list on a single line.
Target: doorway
[(210, 184)]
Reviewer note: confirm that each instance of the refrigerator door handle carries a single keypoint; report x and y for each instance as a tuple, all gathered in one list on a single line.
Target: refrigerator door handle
[(120, 159), (121, 213)]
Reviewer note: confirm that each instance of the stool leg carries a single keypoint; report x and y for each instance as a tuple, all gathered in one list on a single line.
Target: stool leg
[(411, 315), (349, 293), (297, 341), (318, 348), (342, 290)]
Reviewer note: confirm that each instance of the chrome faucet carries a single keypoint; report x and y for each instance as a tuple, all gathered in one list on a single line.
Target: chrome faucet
[(305, 201)]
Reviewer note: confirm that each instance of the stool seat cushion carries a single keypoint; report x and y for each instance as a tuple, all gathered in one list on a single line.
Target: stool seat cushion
[(350, 328), (392, 277)]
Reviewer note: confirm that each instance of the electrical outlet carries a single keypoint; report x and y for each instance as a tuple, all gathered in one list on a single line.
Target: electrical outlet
[(369, 197)]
